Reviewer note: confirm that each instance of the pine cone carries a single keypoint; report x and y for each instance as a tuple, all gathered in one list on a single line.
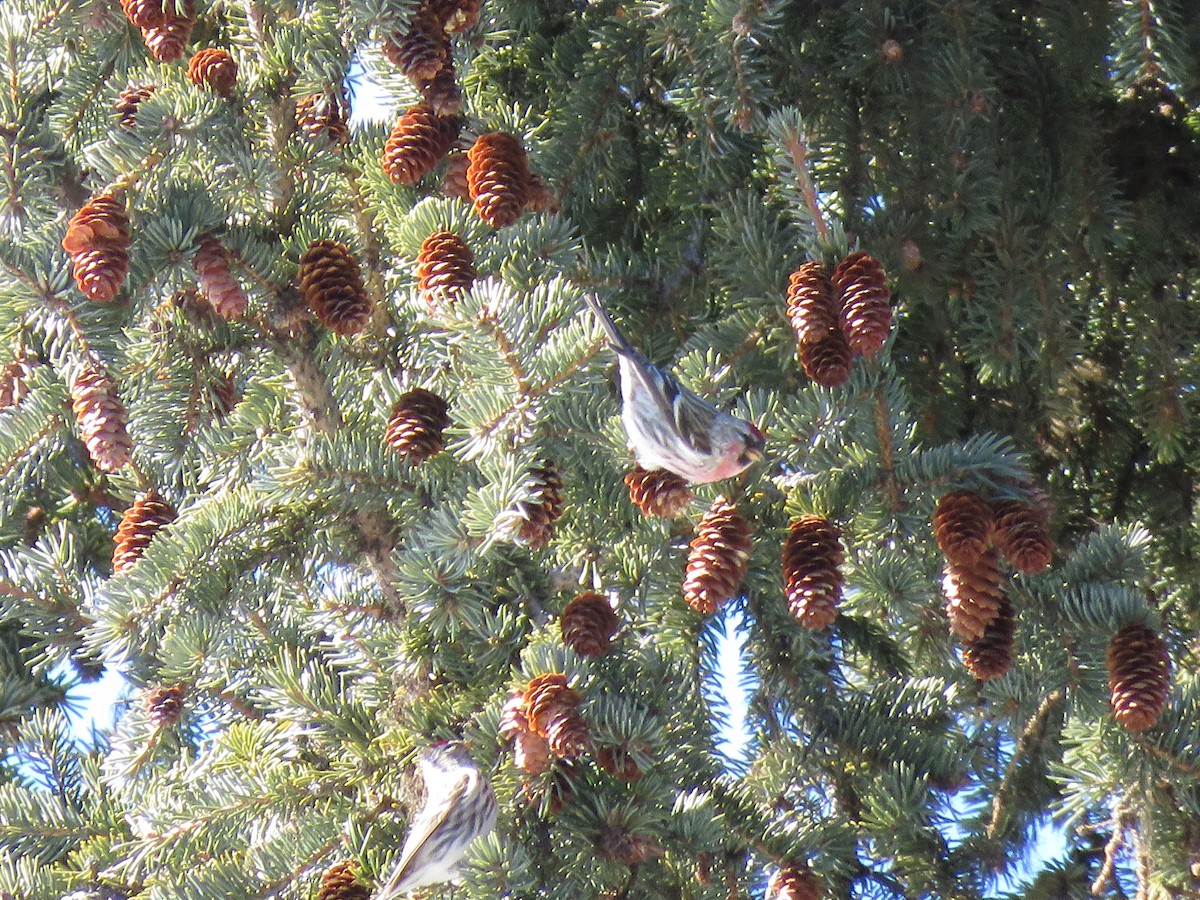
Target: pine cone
[(569, 737), (718, 559), (963, 523), (531, 751), (442, 92), (416, 424), (1023, 536), (455, 15), (546, 700), (812, 559), (217, 283), (214, 69), (417, 143), (332, 285), (340, 882), (618, 843), (991, 655), (810, 303), (324, 117), (421, 51), (619, 763), (164, 705), (168, 41), (544, 509), (14, 381), (224, 396), (658, 492), (795, 882), (860, 287), (540, 197), (826, 359), (445, 267), (139, 524), (98, 240), (498, 178), (974, 591), (128, 101), (102, 419), (454, 182), (146, 13), (1139, 676), (589, 624)]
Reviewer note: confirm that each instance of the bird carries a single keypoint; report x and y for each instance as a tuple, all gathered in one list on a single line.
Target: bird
[(668, 425), (460, 806)]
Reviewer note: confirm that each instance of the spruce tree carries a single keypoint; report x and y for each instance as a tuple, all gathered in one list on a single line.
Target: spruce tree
[(306, 430)]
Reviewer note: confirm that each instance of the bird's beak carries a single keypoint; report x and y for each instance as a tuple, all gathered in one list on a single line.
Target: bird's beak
[(754, 452)]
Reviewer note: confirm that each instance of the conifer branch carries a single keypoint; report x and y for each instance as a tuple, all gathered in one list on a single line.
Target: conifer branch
[(1027, 741)]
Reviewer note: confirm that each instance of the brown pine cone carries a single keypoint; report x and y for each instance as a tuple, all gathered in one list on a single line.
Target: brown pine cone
[(324, 116), (455, 15), (340, 882), (417, 143), (98, 240), (974, 591), (214, 69), (498, 178), (991, 655), (128, 101), (442, 92), (588, 624), (421, 50), (415, 426), (569, 736), (168, 41), (540, 197), (454, 182), (810, 304), (619, 763), (795, 882), (1022, 533), (864, 302), (543, 509), (139, 524), (963, 523), (826, 359), (547, 699), (445, 267), (1139, 676), (14, 381), (164, 705), (812, 560), (531, 753), (224, 396), (718, 559), (217, 283), (146, 13), (658, 492), (102, 419), (333, 288), (618, 843), (100, 273)]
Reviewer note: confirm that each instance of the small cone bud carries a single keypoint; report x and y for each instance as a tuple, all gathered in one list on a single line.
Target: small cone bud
[(658, 492), (619, 763), (1139, 676), (540, 198), (442, 92), (974, 593), (718, 559), (416, 425), (589, 624), (324, 117), (962, 524), (128, 101), (812, 559)]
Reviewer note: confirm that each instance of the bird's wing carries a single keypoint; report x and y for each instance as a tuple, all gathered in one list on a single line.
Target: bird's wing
[(425, 824), (693, 417)]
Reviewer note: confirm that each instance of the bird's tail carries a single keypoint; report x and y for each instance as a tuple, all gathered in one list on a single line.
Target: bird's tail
[(618, 340)]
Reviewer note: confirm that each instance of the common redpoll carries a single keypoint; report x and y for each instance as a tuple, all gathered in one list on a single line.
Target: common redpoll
[(460, 806), (669, 426)]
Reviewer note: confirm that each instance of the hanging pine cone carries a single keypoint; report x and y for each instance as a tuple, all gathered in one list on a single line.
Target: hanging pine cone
[(619, 762), (139, 524), (217, 283), (224, 396), (991, 655), (540, 197), (658, 492), (214, 69), (826, 359), (324, 116), (333, 288), (421, 51), (445, 267), (1023, 536), (164, 705), (14, 381), (168, 41), (102, 419), (860, 288), (1139, 676), (98, 240), (589, 624), (718, 559), (551, 710), (340, 882), (542, 510), (795, 882), (974, 590), (415, 426), (531, 751), (455, 15), (128, 101), (810, 304), (620, 844), (812, 560), (442, 92), (417, 143), (145, 13), (498, 178), (454, 182), (962, 524)]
